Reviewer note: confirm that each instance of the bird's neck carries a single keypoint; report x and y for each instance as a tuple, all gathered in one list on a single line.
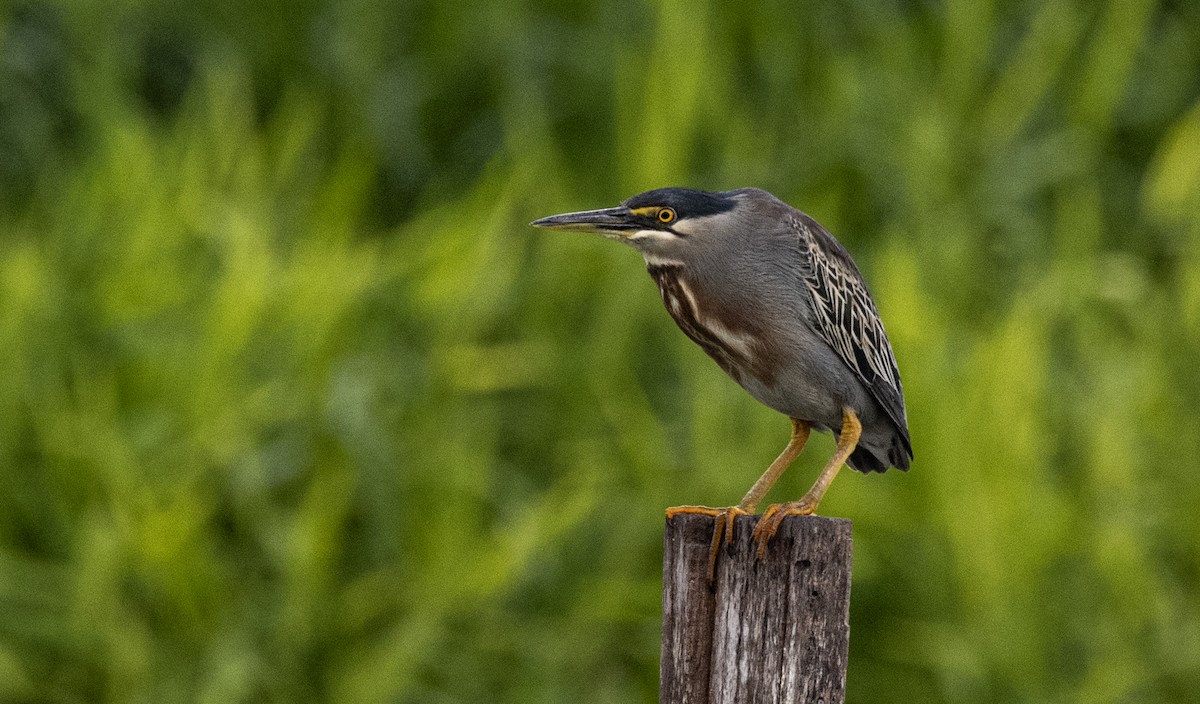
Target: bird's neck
[(657, 261)]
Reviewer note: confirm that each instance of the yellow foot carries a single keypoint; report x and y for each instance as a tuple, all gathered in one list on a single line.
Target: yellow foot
[(773, 518), (725, 517)]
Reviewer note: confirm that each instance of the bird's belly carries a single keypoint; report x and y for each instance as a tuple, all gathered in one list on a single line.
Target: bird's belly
[(810, 382), (797, 399)]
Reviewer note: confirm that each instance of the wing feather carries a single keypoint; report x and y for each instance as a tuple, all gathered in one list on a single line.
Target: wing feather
[(848, 320)]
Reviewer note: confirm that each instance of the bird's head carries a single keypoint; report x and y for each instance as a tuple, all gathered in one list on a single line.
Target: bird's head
[(667, 222)]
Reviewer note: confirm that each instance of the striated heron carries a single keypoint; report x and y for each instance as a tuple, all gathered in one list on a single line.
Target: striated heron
[(770, 295)]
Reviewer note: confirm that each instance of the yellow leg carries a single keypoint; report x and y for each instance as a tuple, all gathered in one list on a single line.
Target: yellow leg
[(725, 516), (774, 515), (794, 447)]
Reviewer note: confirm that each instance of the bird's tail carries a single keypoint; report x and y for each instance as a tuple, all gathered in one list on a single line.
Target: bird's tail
[(868, 459), (865, 461)]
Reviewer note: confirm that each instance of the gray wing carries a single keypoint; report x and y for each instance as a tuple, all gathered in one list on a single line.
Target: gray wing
[(848, 320)]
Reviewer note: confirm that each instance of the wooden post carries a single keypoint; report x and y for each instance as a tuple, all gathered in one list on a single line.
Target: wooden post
[(769, 630)]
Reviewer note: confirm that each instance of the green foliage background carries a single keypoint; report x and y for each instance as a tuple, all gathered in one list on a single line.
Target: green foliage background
[(295, 407)]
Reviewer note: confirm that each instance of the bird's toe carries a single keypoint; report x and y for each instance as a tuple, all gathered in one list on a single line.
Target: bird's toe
[(723, 525), (774, 516)]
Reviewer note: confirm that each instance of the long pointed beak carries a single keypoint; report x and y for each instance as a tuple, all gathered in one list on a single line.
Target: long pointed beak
[(606, 221)]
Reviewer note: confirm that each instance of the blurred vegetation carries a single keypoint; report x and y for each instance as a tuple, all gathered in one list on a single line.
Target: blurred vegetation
[(295, 407)]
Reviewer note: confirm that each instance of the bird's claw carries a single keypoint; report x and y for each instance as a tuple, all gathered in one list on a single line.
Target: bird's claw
[(773, 518), (724, 524)]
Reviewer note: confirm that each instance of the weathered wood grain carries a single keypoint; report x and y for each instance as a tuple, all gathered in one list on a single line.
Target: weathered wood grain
[(769, 630)]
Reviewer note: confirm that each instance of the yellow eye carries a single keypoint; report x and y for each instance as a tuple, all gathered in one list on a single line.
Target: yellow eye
[(666, 215)]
